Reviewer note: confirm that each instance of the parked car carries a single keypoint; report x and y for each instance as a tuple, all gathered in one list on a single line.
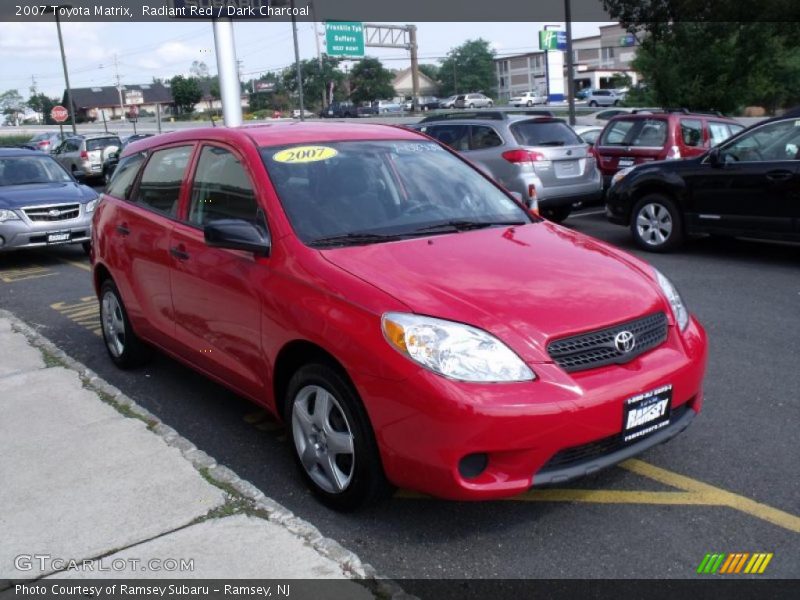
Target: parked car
[(449, 102), (307, 114), (604, 98), (528, 99), (473, 101), (406, 318), (112, 158), (539, 158), (40, 203), (746, 186), (383, 107), (83, 155), (582, 94), (588, 133), (604, 116), (340, 110), (46, 142), (632, 139), (424, 103)]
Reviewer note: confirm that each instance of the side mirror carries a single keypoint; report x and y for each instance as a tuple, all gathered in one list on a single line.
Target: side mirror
[(714, 158), (237, 234)]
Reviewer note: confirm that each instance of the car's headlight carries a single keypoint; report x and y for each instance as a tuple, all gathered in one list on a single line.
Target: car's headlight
[(619, 175), (7, 215), (91, 205), (675, 301), (454, 350)]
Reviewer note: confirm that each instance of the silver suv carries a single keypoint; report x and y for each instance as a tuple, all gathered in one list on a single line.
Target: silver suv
[(539, 158), (83, 155), (473, 101), (604, 98)]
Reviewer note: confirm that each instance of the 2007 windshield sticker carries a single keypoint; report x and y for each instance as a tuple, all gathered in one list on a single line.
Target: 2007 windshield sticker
[(304, 154)]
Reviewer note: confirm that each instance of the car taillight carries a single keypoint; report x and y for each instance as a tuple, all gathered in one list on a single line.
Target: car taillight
[(84, 154), (522, 156), (674, 153), (531, 191), (591, 153), (43, 143)]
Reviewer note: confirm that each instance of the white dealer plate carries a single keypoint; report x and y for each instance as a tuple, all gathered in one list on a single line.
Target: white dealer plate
[(646, 413)]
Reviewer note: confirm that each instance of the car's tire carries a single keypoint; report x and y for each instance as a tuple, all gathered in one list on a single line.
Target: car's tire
[(490, 105), (471, 106), (529, 104), (425, 109), (616, 102), (593, 103), (124, 347), (656, 224), (557, 214), (345, 480)]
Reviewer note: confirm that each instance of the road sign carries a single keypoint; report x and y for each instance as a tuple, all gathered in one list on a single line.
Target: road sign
[(59, 114), (344, 38), (552, 40)]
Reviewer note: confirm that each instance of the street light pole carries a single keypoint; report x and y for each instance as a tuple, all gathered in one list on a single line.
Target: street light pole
[(70, 107), (297, 63), (570, 64), (229, 86)]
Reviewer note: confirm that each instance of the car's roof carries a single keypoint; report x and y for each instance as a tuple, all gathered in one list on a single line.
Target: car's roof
[(8, 152), (278, 134), (666, 114)]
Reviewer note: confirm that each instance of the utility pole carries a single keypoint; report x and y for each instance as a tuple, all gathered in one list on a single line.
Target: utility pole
[(229, 86), (70, 107), (119, 89), (297, 63), (570, 65), (319, 57), (412, 43)]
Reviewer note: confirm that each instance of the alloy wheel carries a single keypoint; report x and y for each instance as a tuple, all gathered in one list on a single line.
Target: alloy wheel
[(323, 439), (654, 224), (113, 324)]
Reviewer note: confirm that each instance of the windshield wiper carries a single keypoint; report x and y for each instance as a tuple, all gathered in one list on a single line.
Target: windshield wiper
[(354, 238), (466, 225), (551, 143)]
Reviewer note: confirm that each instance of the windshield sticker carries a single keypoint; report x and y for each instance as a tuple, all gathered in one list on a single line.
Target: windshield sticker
[(421, 147), (304, 154)]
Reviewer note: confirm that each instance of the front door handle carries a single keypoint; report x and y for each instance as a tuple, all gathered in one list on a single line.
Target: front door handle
[(179, 253), (777, 176)]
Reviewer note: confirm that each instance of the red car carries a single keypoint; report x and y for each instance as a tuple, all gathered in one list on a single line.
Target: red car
[(633, 139), (404, 315)]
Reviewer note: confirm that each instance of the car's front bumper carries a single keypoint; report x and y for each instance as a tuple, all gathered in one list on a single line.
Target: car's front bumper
[(24, 233), (427, 425)]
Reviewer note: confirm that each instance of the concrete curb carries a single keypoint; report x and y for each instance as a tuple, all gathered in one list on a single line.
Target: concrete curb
[(221, 475)]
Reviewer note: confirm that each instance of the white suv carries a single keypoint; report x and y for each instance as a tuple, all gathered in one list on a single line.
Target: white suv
[(528, 99), (604, 98)]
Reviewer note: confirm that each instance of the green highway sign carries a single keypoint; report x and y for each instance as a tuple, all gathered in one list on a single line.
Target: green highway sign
[(344, 38)]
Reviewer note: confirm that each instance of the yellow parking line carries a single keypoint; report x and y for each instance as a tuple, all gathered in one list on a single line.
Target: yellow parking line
[(76, 263), (714, 495), (609, 497)]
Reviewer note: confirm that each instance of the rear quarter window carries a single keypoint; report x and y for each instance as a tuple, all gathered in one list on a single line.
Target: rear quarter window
[(544, 133)]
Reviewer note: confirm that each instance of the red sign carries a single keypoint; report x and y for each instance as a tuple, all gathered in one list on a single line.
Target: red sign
[(59, 114)]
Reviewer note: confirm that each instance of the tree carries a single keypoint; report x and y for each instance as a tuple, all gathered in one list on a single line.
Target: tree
[(370, 80), (41, 104), (12, 106), (430, 71), (315, 80), (468, 68), (185, 92)]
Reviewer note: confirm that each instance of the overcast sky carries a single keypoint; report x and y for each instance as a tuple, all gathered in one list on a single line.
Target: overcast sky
[(147, 50)]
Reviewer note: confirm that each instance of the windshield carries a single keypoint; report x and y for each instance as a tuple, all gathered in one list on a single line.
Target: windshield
[(21, 170), (371, 191)]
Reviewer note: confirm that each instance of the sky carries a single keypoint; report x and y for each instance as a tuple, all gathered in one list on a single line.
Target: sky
[(147, 50)]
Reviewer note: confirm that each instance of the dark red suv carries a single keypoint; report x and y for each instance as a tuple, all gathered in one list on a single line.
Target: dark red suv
[(633, 139)]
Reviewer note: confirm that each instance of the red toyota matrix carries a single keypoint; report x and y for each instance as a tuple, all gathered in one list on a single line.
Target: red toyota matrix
[(404, 315)]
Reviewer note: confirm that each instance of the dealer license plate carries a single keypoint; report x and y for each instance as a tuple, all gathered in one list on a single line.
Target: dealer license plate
[(55, 238), (625, 162), (646, 413)]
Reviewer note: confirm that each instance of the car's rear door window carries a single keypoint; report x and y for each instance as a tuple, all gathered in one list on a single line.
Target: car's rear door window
[(160, 186), (125, 175), (484, 137), (692, 132), (222, 190), (646, 133), (455, 136), (544, 133)]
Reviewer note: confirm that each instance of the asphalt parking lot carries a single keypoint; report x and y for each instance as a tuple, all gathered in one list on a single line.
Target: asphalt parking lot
[(730, 483)]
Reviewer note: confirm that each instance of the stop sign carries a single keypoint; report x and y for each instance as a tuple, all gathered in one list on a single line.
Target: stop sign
[(59, 114)]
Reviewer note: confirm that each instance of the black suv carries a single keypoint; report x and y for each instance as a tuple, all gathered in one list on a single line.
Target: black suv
[(338, 110), (747, 186)]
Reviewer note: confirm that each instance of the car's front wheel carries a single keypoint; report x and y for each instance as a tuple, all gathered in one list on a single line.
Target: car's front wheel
[(530, 104), (334, 445), (656, 223), (592, 103), (124, 347)]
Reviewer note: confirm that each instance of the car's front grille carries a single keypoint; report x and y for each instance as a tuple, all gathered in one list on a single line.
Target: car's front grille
[(587, 452), (56, 212), (600, 347)]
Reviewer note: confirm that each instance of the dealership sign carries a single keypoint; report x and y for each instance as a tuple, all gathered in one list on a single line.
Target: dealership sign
[(552, 40)]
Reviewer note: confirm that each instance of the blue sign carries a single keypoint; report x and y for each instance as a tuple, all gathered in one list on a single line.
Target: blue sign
[(552, 40)]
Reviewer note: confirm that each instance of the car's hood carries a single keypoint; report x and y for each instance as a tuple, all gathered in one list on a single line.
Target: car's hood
[(36, 194), (526, 285)]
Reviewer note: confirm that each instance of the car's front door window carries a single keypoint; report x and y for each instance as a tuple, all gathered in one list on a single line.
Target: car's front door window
[(777, 141), (161, 181)]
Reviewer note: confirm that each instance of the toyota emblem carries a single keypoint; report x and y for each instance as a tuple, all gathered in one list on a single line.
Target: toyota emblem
[(54, 213), (624, 342)]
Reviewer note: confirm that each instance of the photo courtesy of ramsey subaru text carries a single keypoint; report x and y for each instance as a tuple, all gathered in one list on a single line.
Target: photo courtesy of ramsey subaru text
[(412, 323)]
